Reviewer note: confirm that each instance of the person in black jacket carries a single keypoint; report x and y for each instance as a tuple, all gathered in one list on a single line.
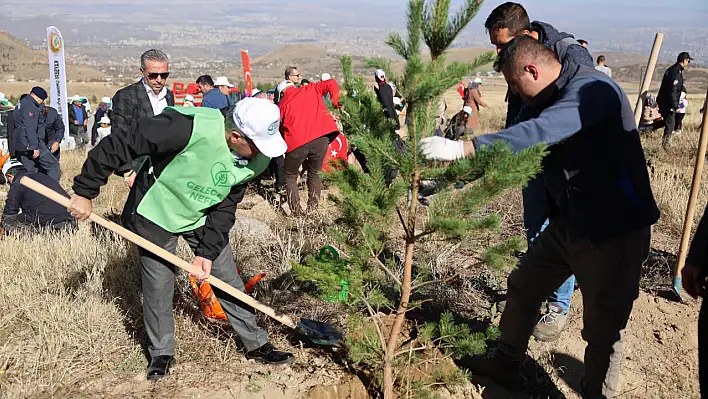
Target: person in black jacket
[(251, 136), (695, 282), (29, 146), (78, 122), (384, 92), (670, 94), (53, 126), (38, 211), (142, 99)]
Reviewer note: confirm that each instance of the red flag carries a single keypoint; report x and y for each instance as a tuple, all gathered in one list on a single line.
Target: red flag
[(461, 89), (337, 151), (246, 60)]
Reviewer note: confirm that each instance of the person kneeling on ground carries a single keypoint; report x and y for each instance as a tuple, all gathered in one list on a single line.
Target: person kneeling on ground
[(38, 211), (601, 216), (198, 177)]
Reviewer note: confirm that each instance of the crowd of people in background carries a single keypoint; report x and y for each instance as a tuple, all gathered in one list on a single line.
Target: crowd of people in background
[(298, 130)]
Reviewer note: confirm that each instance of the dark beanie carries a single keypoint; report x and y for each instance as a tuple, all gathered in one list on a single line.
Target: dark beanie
[(39, 92)]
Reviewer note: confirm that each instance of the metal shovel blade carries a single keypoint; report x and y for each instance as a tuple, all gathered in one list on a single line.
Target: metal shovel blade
[(320, 333)]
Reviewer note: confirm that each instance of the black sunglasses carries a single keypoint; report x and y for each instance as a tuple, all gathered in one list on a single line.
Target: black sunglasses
[(154, 75)]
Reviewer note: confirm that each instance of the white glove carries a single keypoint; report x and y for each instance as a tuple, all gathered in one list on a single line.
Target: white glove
[(438, 148)]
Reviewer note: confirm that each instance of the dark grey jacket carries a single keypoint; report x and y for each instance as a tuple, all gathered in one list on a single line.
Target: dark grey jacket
[(595, 173), (52, 125), (565, 50), (26, 119), (130, 104), (670, 90)]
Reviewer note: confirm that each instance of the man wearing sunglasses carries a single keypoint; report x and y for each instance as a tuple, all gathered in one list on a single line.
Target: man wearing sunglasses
[(143, 99), (201, 163)]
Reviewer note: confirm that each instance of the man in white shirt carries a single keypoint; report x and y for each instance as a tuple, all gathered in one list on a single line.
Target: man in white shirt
[(602, 67), (142, 99)]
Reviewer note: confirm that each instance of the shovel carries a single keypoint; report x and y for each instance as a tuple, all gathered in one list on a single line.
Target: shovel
[(317, 332)]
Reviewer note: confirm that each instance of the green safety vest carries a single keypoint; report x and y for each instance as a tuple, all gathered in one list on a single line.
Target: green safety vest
[(199, 177)]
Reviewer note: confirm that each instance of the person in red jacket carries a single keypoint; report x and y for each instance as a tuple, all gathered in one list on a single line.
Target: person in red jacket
[(307, 127)]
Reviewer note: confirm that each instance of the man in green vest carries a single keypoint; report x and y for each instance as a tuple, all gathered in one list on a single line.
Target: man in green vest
[(199, 164)]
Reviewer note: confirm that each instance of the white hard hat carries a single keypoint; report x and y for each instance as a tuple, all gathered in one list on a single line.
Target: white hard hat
[(478, 80), (75, 98), (222, 81), (189, 97), (106, 100), (105, 119), (2, 96), (11, 163), (285, 85), (259, 120), (326, 76)]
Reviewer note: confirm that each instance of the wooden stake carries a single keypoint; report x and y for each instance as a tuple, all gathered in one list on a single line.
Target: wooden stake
[(646, 80), (691, 207)]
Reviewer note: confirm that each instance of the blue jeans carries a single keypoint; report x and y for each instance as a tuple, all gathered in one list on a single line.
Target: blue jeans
[(535, 221)]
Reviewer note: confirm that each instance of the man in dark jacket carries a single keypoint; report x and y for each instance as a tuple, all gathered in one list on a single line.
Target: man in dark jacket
[(38, 211), (197, 178), (28, 137), (695, 282), (670, 94), (78, 122), (602, 207), (143, 99), (503, 24), (384, 92), (53, 126)]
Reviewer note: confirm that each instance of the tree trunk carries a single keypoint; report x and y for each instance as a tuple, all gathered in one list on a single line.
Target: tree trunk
[(405, 291)]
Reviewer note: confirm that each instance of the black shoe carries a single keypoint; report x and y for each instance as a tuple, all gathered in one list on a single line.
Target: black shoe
[(269, 355), (159, 367), (500, 368)]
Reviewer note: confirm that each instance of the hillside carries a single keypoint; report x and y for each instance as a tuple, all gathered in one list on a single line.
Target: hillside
[(20, 62)]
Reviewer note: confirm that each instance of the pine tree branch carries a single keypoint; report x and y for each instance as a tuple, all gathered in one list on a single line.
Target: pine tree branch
[(403, 223), (403, 352), (382, 338), (381, 265), (426, 283)]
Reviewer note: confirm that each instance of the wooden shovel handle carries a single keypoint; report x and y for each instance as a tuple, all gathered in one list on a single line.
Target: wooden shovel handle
[(148, 246)]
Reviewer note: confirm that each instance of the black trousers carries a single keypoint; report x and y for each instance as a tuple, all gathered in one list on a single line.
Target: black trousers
[(669, 123), (679, 121), (703, 349)]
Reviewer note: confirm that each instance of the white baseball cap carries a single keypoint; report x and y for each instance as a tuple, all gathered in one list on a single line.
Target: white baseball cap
[(284, 85), (105, 119), (11, 163), (380, 74), (259, 120), (255, 92), (222, 81), (326, 76)]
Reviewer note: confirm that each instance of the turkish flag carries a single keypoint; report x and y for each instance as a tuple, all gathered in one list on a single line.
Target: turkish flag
[(461, 89), (246, 60), (338, 150)]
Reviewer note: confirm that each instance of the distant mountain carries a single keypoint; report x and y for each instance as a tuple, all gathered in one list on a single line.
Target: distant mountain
[(20, 62)]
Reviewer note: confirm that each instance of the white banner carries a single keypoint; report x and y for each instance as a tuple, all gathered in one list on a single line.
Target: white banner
[(57, 77)]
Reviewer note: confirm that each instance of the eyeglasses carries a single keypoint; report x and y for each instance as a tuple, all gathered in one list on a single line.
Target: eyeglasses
[(154, 75)]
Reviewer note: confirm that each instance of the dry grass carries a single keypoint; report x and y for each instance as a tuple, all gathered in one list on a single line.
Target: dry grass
[(70, 305)]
